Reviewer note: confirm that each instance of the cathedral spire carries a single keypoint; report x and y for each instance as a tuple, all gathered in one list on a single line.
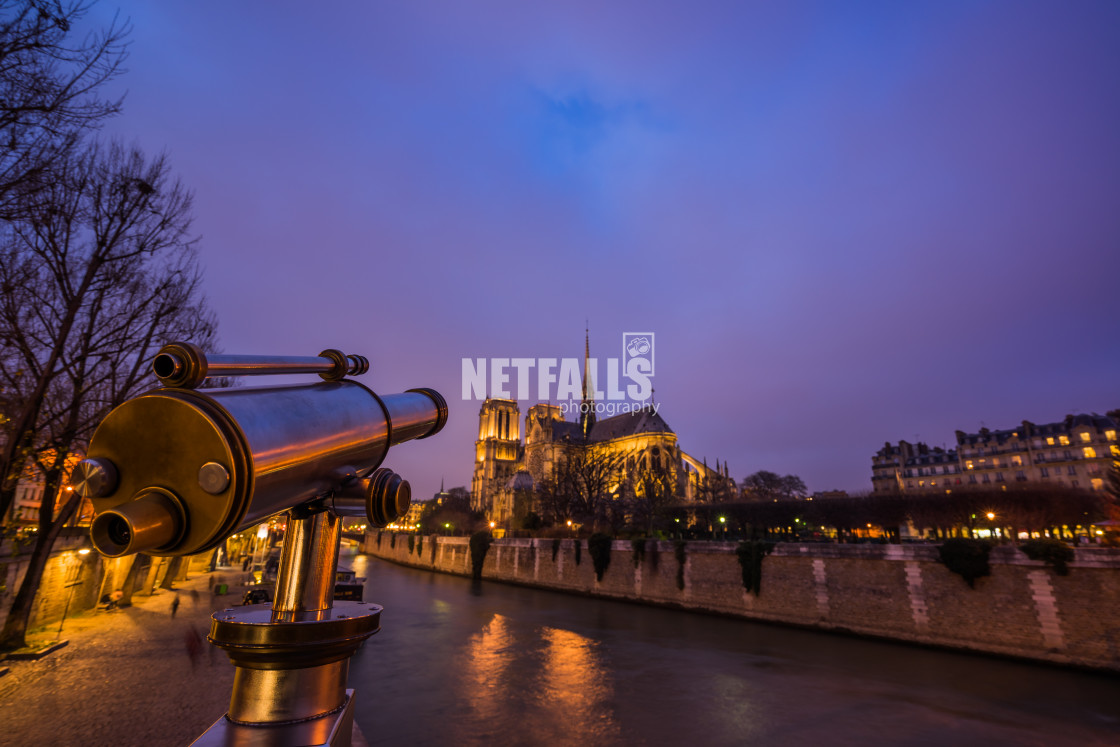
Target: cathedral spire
[(587, 407)]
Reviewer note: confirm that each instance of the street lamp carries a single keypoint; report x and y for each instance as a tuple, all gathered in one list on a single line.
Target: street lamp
[(723, 527)]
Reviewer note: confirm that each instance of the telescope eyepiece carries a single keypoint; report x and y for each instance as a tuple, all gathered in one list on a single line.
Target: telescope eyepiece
[(166, 365), (388, 497), (155, 520), (118, 531)]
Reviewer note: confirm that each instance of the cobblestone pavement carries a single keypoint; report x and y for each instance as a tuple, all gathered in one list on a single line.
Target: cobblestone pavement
[(126, 677)]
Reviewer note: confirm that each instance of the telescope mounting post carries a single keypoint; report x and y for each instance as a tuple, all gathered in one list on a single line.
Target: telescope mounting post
[(291, 660)]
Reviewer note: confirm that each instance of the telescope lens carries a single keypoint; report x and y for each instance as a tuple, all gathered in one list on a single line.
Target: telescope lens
[(118, 531), (165, 366)]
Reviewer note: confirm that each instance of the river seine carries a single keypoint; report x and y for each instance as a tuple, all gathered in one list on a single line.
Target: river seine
[(458, 662)]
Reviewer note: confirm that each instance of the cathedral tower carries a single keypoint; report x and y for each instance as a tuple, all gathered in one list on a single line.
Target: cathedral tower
[(497, 450)]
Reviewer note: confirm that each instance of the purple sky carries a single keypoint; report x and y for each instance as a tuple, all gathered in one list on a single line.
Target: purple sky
[(846, 223)]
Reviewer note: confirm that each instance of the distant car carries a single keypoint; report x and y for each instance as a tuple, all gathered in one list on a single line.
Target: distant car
[(257, 596)]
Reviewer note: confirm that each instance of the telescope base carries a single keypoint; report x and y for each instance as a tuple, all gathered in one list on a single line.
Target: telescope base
[(334, 729)]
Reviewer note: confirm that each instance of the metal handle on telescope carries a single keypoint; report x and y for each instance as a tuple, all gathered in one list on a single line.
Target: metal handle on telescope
[(184, 365)]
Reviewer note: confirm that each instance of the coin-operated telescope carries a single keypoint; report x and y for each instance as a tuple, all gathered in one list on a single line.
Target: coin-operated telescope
[(175, 471)]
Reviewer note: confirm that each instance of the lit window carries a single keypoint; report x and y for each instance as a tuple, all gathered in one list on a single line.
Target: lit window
[(1050, 440), (1016, 461), (1110, 435), (1063, 440), (1115, 450), (1097, 483), (1090, 452), (1086, 438), (968, 464)]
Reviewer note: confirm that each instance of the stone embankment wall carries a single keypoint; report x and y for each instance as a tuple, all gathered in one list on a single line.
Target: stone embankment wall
[(901, 592), (73, 582)]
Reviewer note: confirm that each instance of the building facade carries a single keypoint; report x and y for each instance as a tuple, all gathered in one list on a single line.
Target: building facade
[(1076, 452), (628, 448), (24, 510), (507, 469)]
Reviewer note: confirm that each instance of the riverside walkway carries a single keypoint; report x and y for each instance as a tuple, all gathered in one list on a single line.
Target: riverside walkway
[(126, 677)]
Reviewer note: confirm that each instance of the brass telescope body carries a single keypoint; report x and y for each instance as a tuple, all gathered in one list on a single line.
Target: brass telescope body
[(176, 471), (194, 467)]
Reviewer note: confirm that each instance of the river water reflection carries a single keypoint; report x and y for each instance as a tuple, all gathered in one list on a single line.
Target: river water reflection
[(494, 664)]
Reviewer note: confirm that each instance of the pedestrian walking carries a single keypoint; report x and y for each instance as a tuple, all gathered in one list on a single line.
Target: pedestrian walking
[(174, 605), (194, 598), (193, 642)]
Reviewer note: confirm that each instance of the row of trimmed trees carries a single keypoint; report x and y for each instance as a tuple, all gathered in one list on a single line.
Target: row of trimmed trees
[(1032, 508), (98, 266), (589, 489)]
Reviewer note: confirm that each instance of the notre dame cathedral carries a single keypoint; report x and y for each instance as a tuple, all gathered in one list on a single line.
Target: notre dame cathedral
[(507, 470)]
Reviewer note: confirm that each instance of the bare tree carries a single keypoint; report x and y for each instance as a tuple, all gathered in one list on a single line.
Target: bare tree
[(99, 272), (580, 488), (587, 475), (552, 499), (654, 491), (49, 84), (769, 486)]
